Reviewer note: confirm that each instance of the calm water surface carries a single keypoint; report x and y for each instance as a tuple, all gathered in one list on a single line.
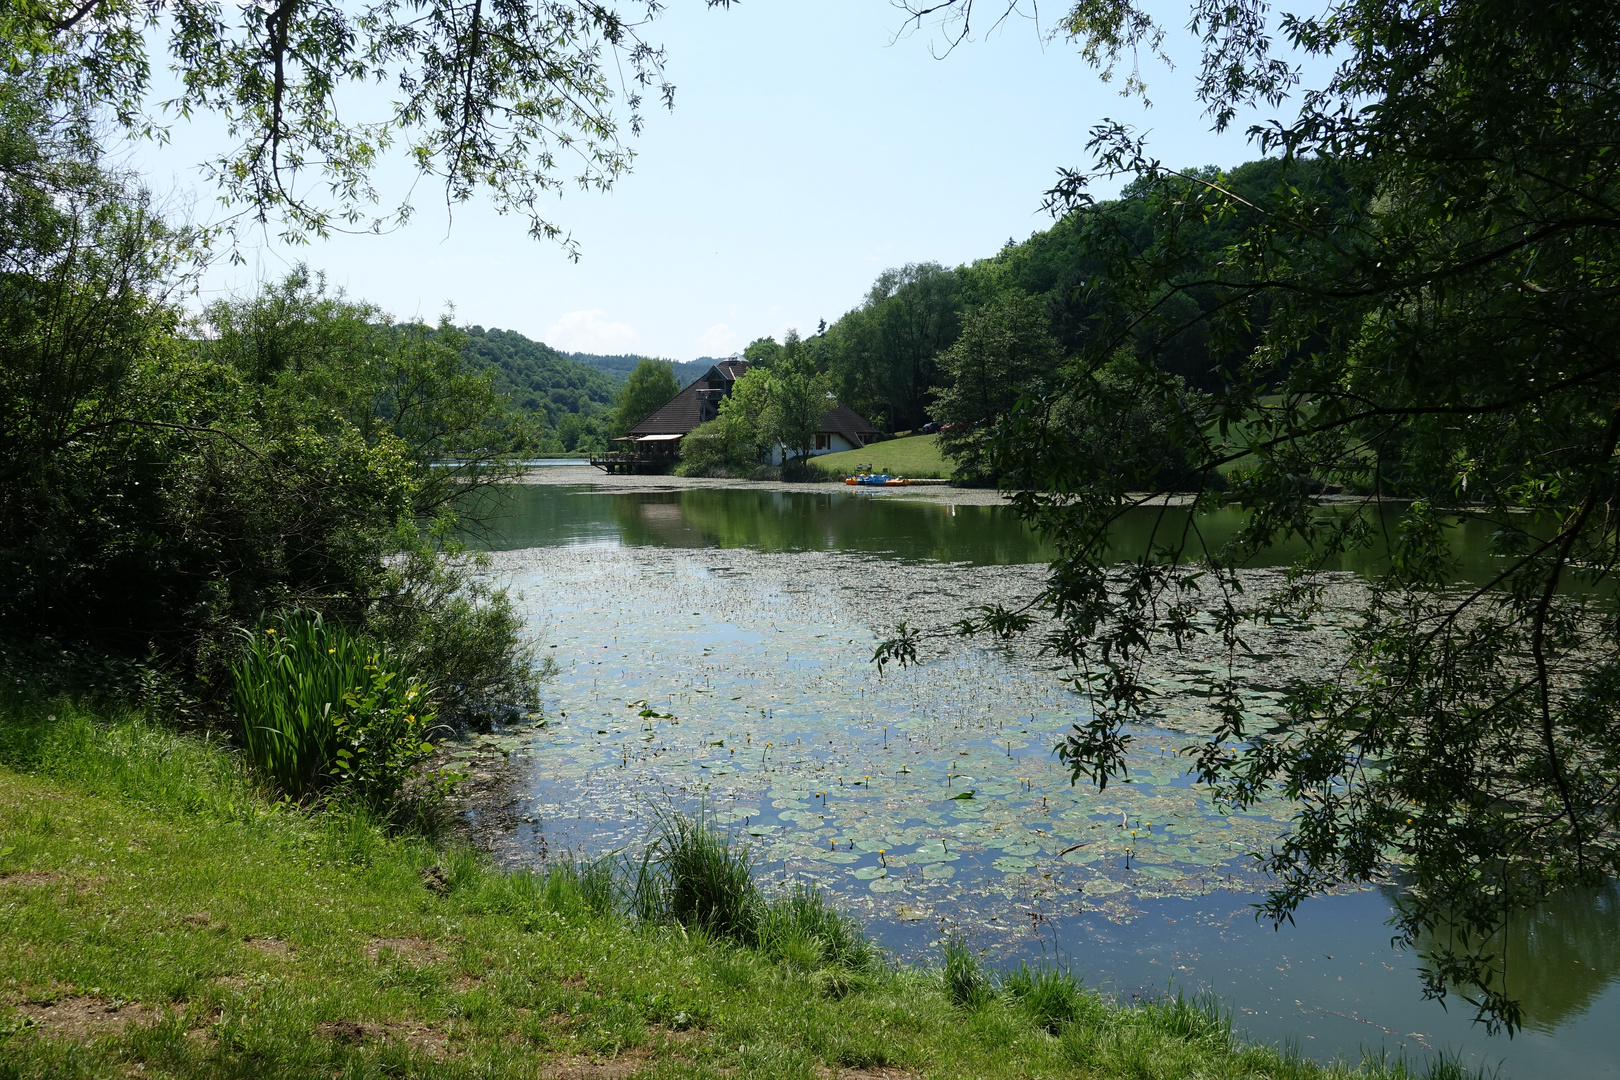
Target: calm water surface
[(712, 647)]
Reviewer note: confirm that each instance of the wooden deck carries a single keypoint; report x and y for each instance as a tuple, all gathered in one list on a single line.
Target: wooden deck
[(618, 462)]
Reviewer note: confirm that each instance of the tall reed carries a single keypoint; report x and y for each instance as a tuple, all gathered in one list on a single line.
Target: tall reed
[(323, 708)]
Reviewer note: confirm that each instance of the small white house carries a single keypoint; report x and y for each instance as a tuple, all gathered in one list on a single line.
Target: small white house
[(841, 429)]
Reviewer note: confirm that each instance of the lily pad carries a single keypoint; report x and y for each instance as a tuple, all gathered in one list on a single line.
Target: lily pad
[(932, 853), (886, 885), (1010, 865), (938, 871), (868, 873)]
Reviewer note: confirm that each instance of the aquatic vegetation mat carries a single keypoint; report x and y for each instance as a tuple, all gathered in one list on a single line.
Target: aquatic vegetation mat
[(741, 680)]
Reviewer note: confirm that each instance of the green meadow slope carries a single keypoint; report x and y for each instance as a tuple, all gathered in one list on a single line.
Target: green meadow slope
[(910, 455)]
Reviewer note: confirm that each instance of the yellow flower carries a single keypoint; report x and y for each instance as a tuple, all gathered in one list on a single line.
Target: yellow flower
[(329, 652), (270, 631)]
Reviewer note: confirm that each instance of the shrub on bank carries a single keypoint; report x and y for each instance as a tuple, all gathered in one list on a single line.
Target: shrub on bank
[(324, 710)]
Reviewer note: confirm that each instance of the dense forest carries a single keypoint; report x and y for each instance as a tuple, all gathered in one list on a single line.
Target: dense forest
[(890, 358), (574, 398)]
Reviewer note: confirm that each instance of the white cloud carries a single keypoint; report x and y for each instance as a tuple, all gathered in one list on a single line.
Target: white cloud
[(591, 332), (718, 340)]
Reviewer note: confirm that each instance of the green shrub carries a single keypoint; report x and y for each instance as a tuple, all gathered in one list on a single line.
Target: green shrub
[(460, 634), (326, 711)]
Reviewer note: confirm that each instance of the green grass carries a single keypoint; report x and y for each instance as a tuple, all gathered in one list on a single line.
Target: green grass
[(913, 455), (161, 917)]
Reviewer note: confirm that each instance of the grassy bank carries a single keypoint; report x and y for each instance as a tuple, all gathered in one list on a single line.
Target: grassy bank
[(160, 917), (911, 455)]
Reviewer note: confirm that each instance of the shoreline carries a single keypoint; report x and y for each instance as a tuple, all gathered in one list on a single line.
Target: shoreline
[(588, 476)]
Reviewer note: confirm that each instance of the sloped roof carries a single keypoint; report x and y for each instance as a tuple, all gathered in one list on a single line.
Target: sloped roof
[(676, 416), (681, 413), (845, 421)]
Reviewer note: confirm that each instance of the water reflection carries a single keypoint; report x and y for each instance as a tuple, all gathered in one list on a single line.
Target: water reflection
[(539, 516), (1562, 957), (889, 526)]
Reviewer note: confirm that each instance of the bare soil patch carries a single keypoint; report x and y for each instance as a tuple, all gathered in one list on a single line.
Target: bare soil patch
[(81, 1018), (879, 1072), (411, 950), (202, 920), (423, 1037), (614, 1068), (29, 879), (270, 946)]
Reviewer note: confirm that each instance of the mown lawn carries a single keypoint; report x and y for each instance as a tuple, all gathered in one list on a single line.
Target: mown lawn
[(160, 918), (912, 455)]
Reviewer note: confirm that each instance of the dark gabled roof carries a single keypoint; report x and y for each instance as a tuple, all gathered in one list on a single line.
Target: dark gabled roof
[(676, 416), (683, 412), (845, 421)]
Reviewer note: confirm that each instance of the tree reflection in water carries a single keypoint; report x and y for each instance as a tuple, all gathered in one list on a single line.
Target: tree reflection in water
[(1559, 959)]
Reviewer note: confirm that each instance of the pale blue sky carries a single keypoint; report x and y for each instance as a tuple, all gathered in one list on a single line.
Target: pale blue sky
[(808, 150)]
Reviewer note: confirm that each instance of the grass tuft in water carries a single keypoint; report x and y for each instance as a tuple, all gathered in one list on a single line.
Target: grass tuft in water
[(693, 875), (804, 921), (966, 984), (1050, 996)]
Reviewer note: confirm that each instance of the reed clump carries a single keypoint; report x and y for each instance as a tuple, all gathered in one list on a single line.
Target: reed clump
[(696, 876), (325, 711)]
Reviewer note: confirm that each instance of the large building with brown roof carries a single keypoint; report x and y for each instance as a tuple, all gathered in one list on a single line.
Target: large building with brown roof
[(655, 442)]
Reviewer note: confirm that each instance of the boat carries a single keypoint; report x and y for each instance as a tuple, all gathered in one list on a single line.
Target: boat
[(876, 480)]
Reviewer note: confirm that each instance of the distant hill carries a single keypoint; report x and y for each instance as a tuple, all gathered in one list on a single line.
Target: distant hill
[(541, 379), (620, 366)]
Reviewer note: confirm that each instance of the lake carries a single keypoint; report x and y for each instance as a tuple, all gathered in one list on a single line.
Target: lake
[(712, 649)]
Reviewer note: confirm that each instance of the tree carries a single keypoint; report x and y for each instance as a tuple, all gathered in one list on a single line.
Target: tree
[(762, 350), (883, 355), (1005, 350), (161, 485), (736, 440), (1439, 332), (506, 96), (647, 388), (799, 399)]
